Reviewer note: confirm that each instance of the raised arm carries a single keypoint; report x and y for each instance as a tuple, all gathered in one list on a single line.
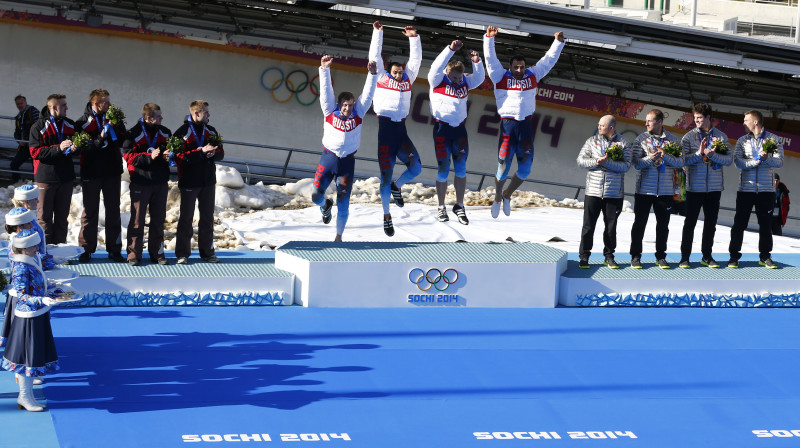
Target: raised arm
[(376, 45), (414, 54), (365, 99), (493, 65), (436, 73), (327, 100), (546, 63), (478, 75)]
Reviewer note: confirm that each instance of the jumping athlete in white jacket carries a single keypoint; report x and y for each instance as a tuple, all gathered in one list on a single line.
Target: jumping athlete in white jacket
[(391, 104), (340, 140), (515, 93), (448, 97)]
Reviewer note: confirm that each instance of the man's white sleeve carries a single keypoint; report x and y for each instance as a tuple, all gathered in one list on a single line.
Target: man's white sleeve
[(327, 100), (493, 65), (414, 58), (546, 63), (436, 73), (478, 75)]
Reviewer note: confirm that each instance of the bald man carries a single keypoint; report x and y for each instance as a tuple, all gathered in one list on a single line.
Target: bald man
[(605, 186)]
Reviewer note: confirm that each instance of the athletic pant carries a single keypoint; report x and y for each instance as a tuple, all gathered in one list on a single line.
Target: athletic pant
[(87, 238), (343, 169), (516, 140), (204, 197), (709, 203), (661, 205), (592, 207), (394, 143), (744, 206), (54, 201), (143, 196), (450, 142)]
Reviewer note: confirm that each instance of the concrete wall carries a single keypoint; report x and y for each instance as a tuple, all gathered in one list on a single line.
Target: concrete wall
[(138, 71)]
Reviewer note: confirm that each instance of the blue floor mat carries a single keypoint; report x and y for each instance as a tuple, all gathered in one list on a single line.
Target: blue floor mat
[(426, 377)]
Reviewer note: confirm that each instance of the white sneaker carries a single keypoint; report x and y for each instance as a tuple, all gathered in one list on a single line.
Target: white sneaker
[(495, 209), (506, 206)]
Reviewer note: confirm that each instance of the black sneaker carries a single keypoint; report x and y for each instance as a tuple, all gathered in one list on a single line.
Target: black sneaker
[(134, 262), (583, 264), (684, 264), (116, 257), (662, 263), (388, 228), (397, 195), (611, 263), (161, 261), (442, 215), (636, 263), (768, 263), (210, 259), (710, 262), (85, 257), (733, 263), (326, 211), (461, 213)]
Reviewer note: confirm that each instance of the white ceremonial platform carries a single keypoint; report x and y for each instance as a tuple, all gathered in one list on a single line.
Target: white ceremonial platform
[(414, 274), (749, 285), (241, 278)]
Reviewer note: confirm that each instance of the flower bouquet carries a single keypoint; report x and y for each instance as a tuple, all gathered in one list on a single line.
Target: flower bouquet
[(115, 116), (719, 146), (174, 146), (673, 148), (615, 151), (770, 146), (214, 139), (81, 140)]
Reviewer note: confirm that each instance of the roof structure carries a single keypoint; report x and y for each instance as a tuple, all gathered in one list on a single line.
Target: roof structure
[(649, 61)]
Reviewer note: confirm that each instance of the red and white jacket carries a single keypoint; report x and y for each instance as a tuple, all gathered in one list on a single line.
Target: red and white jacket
[(392, 98), (342, 136), (448, 102), (517, 98)]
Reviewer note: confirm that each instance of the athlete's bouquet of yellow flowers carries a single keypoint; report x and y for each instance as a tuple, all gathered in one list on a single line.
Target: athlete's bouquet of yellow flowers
[(672, 148), (719, 146), (214, 139), (615, 151), (770, 146)]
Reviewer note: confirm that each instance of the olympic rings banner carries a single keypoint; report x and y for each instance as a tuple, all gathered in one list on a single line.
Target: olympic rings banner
[(295, 84)]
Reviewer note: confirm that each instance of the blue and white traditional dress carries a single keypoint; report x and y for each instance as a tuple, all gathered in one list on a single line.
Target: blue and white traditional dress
[(15, 217), (30, 348)]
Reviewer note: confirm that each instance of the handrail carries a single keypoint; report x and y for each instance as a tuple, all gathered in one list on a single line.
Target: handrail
[(284, 168)]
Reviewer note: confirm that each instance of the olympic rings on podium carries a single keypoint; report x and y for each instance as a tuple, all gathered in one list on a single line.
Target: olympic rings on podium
[(294, 91), (433, 278)]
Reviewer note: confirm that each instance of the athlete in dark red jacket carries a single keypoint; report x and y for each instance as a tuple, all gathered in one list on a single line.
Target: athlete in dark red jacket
[(145, 154), (101, 171), (53, 171), (197, 179)]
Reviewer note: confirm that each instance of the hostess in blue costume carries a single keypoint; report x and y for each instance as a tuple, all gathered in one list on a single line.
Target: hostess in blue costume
[(30, 350)]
